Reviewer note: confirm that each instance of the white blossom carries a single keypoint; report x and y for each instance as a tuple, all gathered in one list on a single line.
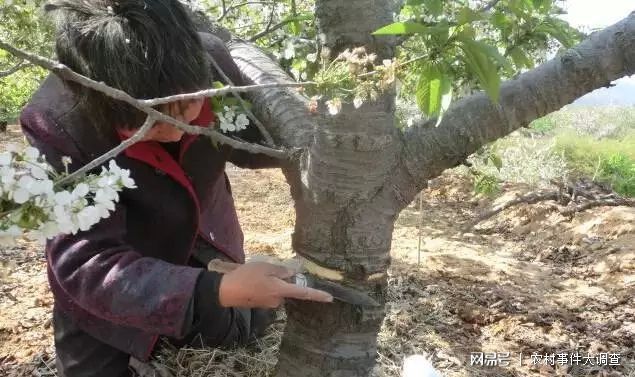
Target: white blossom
[(21, 195), (358, 102), (80, 190), (39, 172), (106, 194), (12, 147), (229, 121), (334, 106), (5, 158), (25, 185), (8, 176), (312, 57), (31, 154), (87, 217), (63, 198), (241, 122), (226, 125)]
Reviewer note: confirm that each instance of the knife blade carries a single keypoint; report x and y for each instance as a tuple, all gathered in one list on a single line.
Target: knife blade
[(339, 292)]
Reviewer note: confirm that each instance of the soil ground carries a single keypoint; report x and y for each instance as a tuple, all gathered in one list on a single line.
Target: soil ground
[(526, 282)]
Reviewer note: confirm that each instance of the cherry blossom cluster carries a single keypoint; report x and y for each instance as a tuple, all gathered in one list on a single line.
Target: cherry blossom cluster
[(353, 76), (34, 206), (230, 121)]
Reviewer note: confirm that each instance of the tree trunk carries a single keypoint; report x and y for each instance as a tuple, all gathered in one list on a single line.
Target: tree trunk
[(343, 221), (358, 171)]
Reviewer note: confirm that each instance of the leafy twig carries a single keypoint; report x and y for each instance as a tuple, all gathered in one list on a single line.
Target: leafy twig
[(257, 122)]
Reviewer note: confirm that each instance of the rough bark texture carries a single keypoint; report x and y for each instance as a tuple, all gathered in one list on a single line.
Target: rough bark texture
[(357, 171), (348, 190), (474, 121), (343, 24)]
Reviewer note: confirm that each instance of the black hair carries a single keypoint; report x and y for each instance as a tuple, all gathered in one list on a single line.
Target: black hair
[(147, 48)]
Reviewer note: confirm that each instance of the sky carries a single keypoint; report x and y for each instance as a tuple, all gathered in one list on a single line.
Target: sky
[(599, 14)]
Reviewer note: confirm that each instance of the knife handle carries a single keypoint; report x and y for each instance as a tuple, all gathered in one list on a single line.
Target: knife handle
[(223, 267)]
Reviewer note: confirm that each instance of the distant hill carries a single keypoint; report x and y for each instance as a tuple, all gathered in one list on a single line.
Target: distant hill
[(622, 94)]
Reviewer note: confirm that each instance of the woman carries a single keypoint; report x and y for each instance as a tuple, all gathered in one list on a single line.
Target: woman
[(132, 277)]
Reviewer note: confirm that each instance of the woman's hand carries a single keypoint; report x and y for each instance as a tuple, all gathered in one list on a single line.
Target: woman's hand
[(261, 285)]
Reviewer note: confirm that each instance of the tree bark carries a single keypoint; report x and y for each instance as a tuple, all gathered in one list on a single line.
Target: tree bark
[(470, 123), (357, 171), (346, 191)]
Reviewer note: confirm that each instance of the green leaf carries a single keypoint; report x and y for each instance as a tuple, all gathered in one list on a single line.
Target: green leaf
[(520, 58), (542, 5), (493, 53), (434, 91), (295, 26), (231, 101), (478, 61), (217, 105), (467, 16), (559, 30), (435, 7), (499, 20), (400, 28), (496, 160)]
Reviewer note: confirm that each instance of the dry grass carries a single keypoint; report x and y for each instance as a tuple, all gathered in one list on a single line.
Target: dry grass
[(256, 360)]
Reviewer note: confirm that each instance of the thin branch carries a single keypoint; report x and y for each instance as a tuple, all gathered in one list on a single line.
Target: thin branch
[(138, 136), (66, 73), (531, 198), (14, 69), (229, 9), (224, 13), (489, 6), (257, 122), (271, 29), (219, 92), (568, 212), (272, 13)]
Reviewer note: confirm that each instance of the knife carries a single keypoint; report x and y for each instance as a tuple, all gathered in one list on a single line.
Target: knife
[(339, 292)]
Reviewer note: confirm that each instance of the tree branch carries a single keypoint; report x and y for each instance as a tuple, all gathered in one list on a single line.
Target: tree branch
[(220, 92), (489, 6), (474, 121), (568, 212), (14, 69), (283, 110), (229, 9), (66, 73), (270, 29), (138, 136), (257, 122)]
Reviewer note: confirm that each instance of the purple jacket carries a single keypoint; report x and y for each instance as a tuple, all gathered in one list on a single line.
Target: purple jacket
[(127, 280)]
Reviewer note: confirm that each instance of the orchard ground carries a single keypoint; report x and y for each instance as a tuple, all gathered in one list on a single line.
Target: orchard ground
[(526, 281)]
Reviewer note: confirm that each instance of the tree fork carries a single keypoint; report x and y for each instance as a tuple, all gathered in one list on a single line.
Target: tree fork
[(346, 226)]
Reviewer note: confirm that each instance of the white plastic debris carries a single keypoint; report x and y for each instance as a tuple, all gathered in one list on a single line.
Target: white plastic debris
[(419, 366)]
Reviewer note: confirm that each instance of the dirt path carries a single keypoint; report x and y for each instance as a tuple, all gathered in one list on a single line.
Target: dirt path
[(526, 281)]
